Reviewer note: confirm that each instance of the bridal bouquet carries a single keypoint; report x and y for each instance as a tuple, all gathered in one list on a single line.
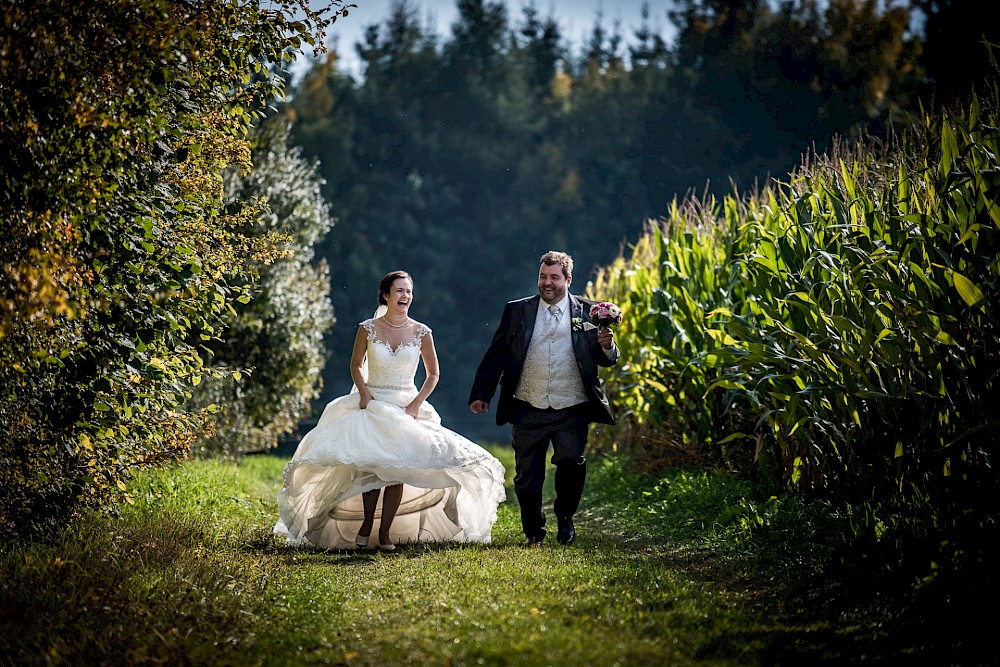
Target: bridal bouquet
[(606, 314)]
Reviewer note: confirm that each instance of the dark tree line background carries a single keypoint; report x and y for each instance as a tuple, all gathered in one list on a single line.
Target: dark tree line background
[(462, 158)]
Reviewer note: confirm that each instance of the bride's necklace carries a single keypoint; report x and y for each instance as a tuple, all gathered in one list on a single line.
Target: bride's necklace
[(396, 326)]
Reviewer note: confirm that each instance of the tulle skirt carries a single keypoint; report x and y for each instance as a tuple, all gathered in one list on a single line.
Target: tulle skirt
[(451, 486)]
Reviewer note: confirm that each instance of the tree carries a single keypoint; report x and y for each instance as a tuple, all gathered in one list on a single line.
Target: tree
[(782, 79), (648, 48), (278, 335), (479, 44), (952, 34), (540, 49)]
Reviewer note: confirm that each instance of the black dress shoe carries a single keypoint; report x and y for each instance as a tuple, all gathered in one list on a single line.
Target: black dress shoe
[(566, 533), (532, 541)]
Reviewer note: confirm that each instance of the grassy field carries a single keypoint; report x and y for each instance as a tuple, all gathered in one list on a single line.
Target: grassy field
[(689, 568)]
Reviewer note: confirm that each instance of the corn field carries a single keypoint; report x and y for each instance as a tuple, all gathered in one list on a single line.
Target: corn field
[(836, 332)]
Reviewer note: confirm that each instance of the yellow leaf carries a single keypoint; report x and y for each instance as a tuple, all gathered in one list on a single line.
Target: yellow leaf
[(796, 470), (967, 289), (946, 338), (156, 362), (656, 385), (805, 297)]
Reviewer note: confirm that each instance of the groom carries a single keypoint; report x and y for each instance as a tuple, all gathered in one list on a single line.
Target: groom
[(545, 356)]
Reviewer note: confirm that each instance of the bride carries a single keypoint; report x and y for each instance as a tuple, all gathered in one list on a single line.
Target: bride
[(380, 452)]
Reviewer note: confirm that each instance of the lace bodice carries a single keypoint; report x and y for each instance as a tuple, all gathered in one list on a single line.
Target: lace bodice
[(390, 368)]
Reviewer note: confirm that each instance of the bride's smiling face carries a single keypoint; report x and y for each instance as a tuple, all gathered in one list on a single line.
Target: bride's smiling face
[(400, 296)]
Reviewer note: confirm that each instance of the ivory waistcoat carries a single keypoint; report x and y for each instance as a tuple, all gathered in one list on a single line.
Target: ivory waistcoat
[(550, 377)]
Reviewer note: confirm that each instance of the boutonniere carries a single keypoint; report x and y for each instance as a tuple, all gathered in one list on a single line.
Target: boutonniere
[(580, 325)]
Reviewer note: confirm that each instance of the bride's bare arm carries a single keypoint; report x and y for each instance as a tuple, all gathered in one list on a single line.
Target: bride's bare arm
[(430, 358), (357, 363)]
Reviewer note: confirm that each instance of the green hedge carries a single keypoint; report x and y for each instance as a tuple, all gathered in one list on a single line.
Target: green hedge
[(119, 258)]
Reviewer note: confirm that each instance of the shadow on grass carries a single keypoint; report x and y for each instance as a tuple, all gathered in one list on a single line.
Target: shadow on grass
[(309, 555), (800, 598), (834, 618), (152, 588)]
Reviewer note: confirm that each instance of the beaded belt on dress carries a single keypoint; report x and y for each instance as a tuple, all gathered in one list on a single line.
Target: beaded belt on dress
[(391, 386)]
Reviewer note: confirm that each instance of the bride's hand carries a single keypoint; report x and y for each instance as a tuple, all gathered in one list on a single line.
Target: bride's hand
[(413, 408), (364, 398)]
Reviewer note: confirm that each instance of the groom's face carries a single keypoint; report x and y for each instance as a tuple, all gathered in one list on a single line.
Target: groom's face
[(552, 284)]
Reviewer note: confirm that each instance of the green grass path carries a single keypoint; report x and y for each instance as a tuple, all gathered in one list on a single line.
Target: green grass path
[(612, 598), (192, 575)]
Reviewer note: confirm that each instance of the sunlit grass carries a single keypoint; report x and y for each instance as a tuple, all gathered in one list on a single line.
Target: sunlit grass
[(686, 568)]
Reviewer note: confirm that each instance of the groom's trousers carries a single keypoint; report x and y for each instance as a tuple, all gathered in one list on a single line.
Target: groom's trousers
[(533, 430)]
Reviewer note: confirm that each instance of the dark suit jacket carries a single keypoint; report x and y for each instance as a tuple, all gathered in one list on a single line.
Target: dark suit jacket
[(504, 359)]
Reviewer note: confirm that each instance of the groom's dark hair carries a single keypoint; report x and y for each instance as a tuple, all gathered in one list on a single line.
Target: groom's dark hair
[(553, 257), (386, 284)]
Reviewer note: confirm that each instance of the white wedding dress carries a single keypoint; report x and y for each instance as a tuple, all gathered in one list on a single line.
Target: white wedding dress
[(452, 486)]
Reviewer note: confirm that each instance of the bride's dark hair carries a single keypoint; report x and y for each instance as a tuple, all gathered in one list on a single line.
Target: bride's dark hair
[(386, 284)]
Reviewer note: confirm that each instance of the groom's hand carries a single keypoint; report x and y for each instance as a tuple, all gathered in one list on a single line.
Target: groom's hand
[(606, 338), (479, 407)]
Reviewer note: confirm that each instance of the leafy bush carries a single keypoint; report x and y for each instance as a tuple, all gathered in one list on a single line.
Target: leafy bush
[(118, 120), (278, 334)]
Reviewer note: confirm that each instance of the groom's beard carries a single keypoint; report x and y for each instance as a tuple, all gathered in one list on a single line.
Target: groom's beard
[(555, 296)]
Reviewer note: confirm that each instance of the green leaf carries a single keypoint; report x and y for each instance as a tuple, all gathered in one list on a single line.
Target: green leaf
[(868, 393), (949, 148), (766, 262), (725, 384), (972, 231)]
